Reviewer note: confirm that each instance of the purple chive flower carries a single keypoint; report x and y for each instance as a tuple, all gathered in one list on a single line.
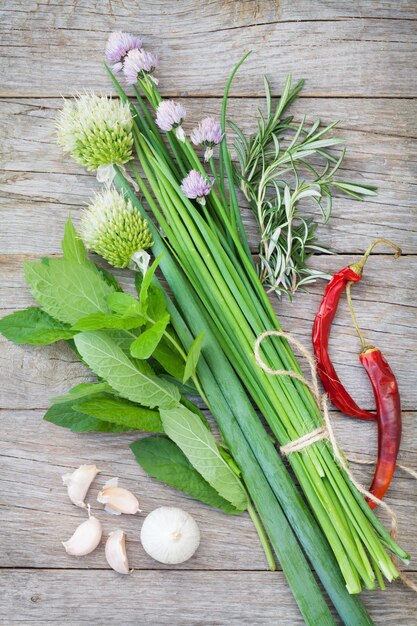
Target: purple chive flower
[(170, 115), (138, 63), (196, 186), (118, 45), (208, 133)]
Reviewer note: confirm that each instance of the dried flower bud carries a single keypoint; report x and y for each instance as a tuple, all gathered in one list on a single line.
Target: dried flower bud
[(118, 45), (118, 500), (170, 115), (78, 483), (196, 186), (208, 133), (114, 229), (138, 63), (96, 131)]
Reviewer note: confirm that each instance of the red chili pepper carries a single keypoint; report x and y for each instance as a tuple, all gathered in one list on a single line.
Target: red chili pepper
[(337, 393), (388, 406)]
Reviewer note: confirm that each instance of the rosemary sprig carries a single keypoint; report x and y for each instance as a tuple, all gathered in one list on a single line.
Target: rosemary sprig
[(279, 166)]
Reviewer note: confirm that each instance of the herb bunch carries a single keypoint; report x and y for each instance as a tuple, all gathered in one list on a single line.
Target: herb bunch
[(279, 166)]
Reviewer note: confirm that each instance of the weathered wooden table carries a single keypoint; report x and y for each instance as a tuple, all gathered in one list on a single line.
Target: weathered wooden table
[(359, 61)]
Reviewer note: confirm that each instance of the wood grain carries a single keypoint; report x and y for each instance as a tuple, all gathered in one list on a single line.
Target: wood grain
[(359, 60), (71, 598), (341, 57)]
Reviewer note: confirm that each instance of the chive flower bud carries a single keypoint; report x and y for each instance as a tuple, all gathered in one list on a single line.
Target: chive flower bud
[(208, 133), (113, 228), (96, 131), (169, 116), (118, 45), (196, 186), (137, 64)]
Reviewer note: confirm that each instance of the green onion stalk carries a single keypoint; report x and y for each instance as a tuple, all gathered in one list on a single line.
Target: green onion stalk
[(210, 245)]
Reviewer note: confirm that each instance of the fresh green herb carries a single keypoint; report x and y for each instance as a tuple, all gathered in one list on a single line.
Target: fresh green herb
[(34, 326), (100, 321), (192, 357), (134, 381), (65, 292), (72, 246), (119, 411), (66, 415), (82, 390), (162, 459), (200, 448), (145, 345), (280, 166)]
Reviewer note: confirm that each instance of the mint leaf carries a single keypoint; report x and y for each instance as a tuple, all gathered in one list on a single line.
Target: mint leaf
[(194, 409), (82, 390), (121, 412), (78, 291), (147, 279), (109, 278), (162, 459), (38, 277), (136, 382), (192, 357), (200, 448), (157, 306), (99, 321), (66, 290), (123, 338), (169, 358), (67, 416), (72, 246), (33, 326), (122, 303), (144, 346)]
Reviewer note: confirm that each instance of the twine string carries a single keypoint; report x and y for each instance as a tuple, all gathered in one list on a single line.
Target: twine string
[(325, 431)]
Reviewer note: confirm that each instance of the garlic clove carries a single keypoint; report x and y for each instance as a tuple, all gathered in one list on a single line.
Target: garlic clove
[(85, 539), (116, 551), (170, 535), (118, 500), (78, 483)]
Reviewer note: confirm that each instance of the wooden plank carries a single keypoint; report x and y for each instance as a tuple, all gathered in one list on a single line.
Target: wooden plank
[(385, 309), (39, 181), (369, 56), (170, 599), (38, 515), (210, 15)]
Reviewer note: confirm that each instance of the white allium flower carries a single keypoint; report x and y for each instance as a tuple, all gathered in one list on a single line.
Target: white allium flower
[(114, 229), (96, 131)]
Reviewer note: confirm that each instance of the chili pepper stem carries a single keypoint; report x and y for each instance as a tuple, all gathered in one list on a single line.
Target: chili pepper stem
[(353, 316), (358, 267)]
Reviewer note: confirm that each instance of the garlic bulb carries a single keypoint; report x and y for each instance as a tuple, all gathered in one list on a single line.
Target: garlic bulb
[(116, 551), (118, 500), (85, 539), (78, 483), (170, 535)]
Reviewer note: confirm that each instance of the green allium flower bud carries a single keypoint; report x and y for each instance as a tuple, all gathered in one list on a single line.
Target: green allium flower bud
[(114, 229), (96, 131)]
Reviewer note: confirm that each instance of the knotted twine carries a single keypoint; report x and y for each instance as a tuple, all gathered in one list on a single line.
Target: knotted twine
[(325, 431)]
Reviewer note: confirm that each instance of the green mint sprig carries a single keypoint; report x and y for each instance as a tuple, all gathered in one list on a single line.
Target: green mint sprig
[(122, 338)]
